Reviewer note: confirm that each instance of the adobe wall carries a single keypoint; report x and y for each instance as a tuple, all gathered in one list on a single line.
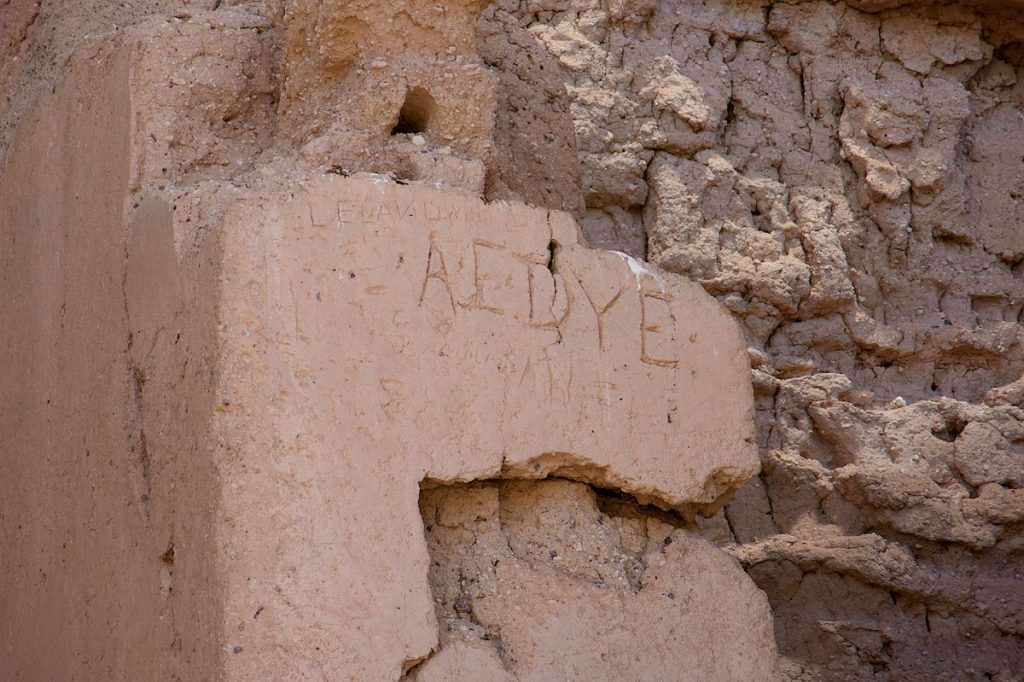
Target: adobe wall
[(108, 488), (844, 177), (252, 421), (378, 337)]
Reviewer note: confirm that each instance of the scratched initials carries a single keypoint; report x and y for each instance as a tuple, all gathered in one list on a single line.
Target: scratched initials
[(600, 311), (479, 275), (649, 328), (544, 304), (436, 269)]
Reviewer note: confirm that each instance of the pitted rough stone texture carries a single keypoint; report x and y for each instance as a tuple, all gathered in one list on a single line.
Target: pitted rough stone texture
[(830, 174), (362, 78), (539, 572), (846, 177)]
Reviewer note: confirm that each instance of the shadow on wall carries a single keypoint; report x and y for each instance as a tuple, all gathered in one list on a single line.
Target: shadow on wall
[(416, 114)]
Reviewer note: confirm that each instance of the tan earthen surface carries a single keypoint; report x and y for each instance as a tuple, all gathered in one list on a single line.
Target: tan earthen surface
[(843, 176), (225, 397), (377, 336), (554, 576), (108, 487)]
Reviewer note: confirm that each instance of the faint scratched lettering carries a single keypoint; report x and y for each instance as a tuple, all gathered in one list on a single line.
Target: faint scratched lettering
[(546, 378), (437, 270), (600, 310), (480, 276), (550, 300), (375, 212), (394, 393), (650, 329), (350, 213), (604, 393)]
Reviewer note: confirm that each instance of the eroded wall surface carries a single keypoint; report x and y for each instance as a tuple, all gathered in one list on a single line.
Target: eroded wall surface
[(379, 337), (240, 382), (108, 489), (845, 178), (566, 582)]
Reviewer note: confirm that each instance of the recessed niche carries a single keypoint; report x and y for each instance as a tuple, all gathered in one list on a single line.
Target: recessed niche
[(417, 113)]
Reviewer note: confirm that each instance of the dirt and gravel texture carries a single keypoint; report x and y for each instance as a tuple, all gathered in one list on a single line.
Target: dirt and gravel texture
[(847, 178)]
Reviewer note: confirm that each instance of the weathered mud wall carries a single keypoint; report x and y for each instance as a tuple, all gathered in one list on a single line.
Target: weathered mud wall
[(106, 516), (571, 583), (266, 382), (845, 177)]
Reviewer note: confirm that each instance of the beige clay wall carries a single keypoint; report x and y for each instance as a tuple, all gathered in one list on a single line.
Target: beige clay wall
[(108, 489), (249, 420), (844, 177)]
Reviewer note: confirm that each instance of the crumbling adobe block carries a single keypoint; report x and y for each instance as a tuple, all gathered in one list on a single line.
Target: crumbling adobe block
[(224, 395), (360, 76)]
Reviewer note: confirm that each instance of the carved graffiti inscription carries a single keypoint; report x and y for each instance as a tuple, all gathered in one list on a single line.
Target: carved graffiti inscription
[(437, 271), (488, 276), (352, 212), (657, 329)]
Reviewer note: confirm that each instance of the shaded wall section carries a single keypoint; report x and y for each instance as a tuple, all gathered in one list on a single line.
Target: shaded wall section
[(105, 491)]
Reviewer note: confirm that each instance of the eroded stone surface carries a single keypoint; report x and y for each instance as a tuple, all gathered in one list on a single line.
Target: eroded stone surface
[(559, 586), (290, 355), (376, 336), (845, 178), (394, 86)]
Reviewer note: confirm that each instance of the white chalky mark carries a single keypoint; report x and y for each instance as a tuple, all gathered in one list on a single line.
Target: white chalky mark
[(639, 268)]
